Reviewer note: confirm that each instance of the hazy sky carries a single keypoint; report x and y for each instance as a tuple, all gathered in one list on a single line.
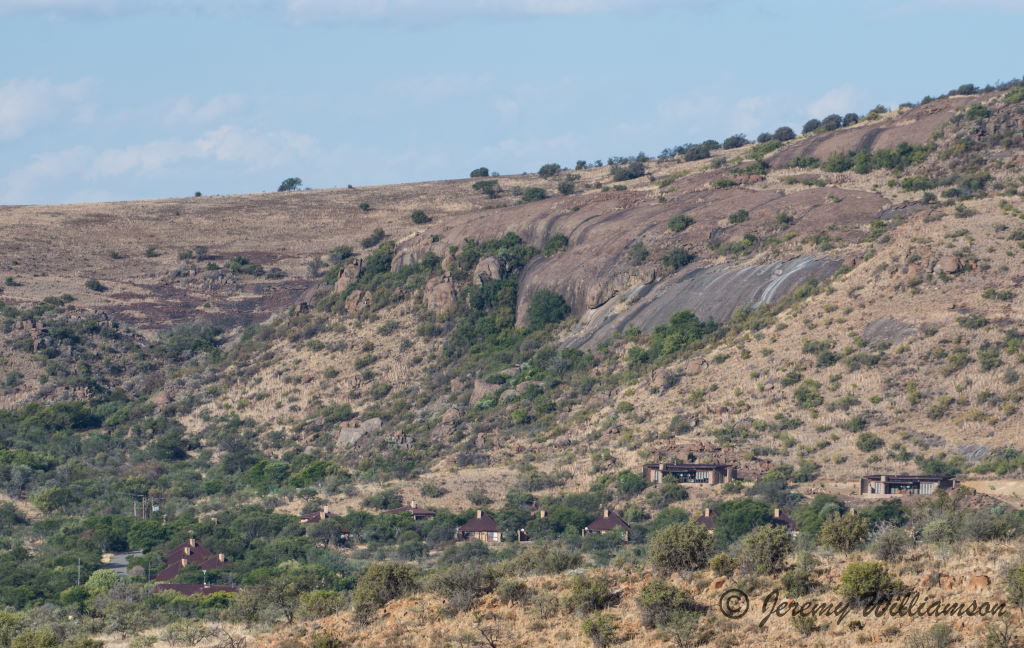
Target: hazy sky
[(129, 99)]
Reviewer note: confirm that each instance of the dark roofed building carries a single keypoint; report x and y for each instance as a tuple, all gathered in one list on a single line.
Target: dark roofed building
[(315, 516), (189, 589), (903, 484), (416, 512), (607, 522), (707, 520), (780, 518), (482, 527), (711, 473), (189, 553)]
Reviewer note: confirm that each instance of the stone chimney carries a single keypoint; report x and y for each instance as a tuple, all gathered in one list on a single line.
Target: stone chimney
[(777, 513), (707, 512), (543, 514), (412, 504), (606, 513), (220, 557), (479, 514), (327, 510), (187, 551), (184, 562), (191, 542)]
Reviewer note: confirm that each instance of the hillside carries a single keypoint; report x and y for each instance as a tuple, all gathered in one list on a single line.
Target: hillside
[(808, 309)]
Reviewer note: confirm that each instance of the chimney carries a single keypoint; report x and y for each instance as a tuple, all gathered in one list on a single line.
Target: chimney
[(326, 510), (661, 467), (412, 504), (606, 513), (184, 562), (707, 512), (187, 551), (543, 513), (220, 557), (191, 542), (777, 513), (883, 478), (479, 514)]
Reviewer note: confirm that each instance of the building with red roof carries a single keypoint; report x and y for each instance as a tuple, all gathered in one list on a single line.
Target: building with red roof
[(482, 527), (607, 522), (416, 512), (189, 553)]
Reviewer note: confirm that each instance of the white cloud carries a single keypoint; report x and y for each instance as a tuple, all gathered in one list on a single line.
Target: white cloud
[(187, 111), (27, 103), (837, 100), (226, 145)]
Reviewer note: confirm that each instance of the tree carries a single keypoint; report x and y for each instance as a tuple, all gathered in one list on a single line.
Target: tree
[(621, 173), (482, 172), (735, 141), (811, 126), (783, 134), (600, 628), (1015, 584), (290, 184), (629, 483), (679, 547), (849, 119), (533, 194), (488, 188), (765, 549), (546, 307), (660, 603), (379, 584), (549, 170), (868, 582), (832, 122), (844, 532), (419, 217), (678, 258), (680, 222)]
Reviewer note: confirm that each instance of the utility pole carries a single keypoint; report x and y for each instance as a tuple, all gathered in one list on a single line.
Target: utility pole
[(78, 579)]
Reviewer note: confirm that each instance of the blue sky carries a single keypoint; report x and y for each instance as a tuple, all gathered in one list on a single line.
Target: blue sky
[(134, 99)]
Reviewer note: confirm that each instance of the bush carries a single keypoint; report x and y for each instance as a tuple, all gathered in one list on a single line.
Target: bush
[(679, 547), (567, 187), (680, 222), (513, 591), (533, 194), (546, 307), (374, 238), (739, 216), (1015, 584), (660, 603), (460, 585), (629, 483), (783, 134), (831, 122), (419, 217), (891, 543), (621, 173), (482, 172), (290, 184), (678, 258), (807, 395), (555, 243), (735, 141), (638, 253), (866, 442), (547, 558), (94, 284), (549, 170), (868, 582), (488, 188), (723, 564), (588, 594), (765, 549), (379, 584), (600, 629), (844, 532), (811, 126), (364, 206)]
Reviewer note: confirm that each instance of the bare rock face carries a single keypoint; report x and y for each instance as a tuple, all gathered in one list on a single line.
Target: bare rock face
[(481, 389), (357, 301), (349, 275), (439, 294), (601, 291), (487, 269), (664, 378), (948, 264), (694, 366), (887, 329)]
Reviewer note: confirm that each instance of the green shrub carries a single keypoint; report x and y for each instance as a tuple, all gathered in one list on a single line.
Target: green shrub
[(735, 141), (678, 258), (723, 564), (513, 591), (588, 594), (1015, 584), (549, 170), (811, 125), (868, 582), (419, 217), (766, 548), (374, 238), (680, 222), (94, 284), (379, 584), (364, 206), (739, 216), (679, 547), (630, 171), (482, 172), (546, 307), (844, 532), (489, 188), (978, 111), (555, 244), (867, 442), (567, 187), (290, 184), (629, 483), (460, 585), (638, 253), (660, 603), (533, 194), (600, 629), (808, 394), (891, 543)]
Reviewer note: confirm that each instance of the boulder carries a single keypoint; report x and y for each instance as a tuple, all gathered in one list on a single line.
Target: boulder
[(718, 583), (694, 366), (451, 416), (978, 582), (481, 389), (887, 329), (357, 301), (664, 378), (439, 294), (598, 293), (948, 264), (349, 275), (487, 269)]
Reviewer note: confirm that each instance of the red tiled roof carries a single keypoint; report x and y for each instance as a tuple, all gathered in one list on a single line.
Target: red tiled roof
[(482, 523), (315, 516), (607, 523), (784, 520), (705, 521), (193, 555), (190, 589)]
